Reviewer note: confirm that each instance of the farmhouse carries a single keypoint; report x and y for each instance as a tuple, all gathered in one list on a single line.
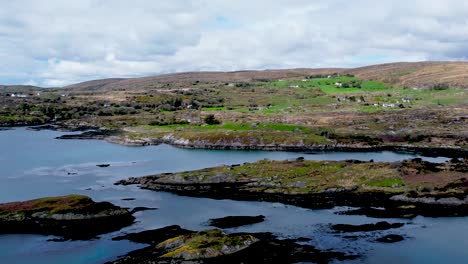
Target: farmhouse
[(19, 95), (385, 105)]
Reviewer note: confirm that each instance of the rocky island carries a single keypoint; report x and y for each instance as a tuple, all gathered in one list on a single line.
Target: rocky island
[(403, 189), (70, 217), (176, 245)]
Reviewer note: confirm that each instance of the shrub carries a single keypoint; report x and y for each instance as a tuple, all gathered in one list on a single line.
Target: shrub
[(211, 120)]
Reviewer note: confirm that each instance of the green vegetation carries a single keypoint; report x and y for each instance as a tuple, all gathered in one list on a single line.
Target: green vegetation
[(259, 112), (308, 177), (211, 120), (205, 244), (52, 205), (387, 183), (305, 176)]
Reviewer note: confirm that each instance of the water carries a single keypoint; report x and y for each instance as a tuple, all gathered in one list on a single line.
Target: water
[(34, 164)]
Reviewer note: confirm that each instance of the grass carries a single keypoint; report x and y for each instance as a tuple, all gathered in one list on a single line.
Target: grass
[(387, 183), (211, 243), (307, 176), (51, 205), (369, 109), (213, 109), (232, 126), (328, 85)]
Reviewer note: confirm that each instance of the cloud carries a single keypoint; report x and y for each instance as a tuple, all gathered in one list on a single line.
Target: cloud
[(55, 43)]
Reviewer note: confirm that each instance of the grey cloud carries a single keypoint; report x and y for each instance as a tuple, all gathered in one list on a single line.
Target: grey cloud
[(57, 42)]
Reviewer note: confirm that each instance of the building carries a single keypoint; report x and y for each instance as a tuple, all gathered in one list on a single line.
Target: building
[(386, 105), (19, 95)]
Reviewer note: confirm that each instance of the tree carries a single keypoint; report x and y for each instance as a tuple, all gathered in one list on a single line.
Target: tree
[(211, 120)]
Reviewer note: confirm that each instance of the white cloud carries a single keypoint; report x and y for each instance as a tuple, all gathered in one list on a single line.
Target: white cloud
[(54, 42)]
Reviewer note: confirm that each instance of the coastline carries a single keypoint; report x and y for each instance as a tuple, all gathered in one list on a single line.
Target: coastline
[(332, 184)]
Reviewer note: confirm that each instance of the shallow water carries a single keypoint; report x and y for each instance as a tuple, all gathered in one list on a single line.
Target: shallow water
[(34, 164)]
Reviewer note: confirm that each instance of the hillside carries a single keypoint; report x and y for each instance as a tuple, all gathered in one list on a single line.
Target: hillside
[(271, 109), (402, 74), (417, 74), (176, 79), (421, 75), (18, 88)]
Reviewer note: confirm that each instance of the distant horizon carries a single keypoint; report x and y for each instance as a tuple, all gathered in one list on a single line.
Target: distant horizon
[(242, 70)]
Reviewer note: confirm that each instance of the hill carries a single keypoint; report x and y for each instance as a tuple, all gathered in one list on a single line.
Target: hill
[(177, 79), (403, 74), (417, 74)]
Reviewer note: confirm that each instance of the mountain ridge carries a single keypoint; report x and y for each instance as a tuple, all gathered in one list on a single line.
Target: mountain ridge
[(425, 74)]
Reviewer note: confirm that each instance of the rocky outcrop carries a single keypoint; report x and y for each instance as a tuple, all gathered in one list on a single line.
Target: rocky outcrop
[(71, 217), (384, 191), (446, 151), (95, 134), (236, 221), (346, 228), (66, 127), (175, 245)]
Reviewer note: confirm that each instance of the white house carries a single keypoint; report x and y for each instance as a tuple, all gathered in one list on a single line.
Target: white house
[(338, 84), (294, 86), (406, 100), (19, 95), (385, 105)]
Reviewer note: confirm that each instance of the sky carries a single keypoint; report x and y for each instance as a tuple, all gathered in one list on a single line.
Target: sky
[(54, 43)]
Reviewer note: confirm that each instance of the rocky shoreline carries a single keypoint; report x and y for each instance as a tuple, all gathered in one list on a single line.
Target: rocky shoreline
[(73, 217), (113, 136), (394, 198), (173, 244), (119, 137)]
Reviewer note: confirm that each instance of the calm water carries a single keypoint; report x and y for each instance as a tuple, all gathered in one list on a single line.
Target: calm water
[(34, 164)]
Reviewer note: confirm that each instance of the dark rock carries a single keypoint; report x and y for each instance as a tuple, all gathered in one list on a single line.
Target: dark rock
[(262, 248), (154, 236), (141, 209), (303, 239), (390, 239), (235, 221), (382, 213), (344, 228), (42, 127), (96, 134)]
